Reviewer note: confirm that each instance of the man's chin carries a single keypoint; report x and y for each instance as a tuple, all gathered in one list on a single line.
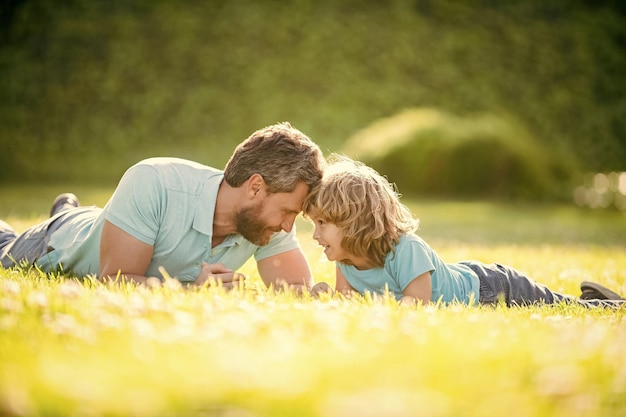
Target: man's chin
[(268, 236), (260, 240)]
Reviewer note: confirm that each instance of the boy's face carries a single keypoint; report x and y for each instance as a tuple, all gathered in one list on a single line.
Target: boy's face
[(329, 236)]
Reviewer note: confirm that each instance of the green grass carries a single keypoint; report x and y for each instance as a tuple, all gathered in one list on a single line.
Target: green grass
[(91, 349)]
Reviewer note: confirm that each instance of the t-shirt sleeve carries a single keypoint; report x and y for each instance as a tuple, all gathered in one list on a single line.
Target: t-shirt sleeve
[(136, 204), (410, 261), (279, 243)]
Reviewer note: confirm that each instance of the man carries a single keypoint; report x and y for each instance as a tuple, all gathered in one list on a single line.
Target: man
[(189, 221)]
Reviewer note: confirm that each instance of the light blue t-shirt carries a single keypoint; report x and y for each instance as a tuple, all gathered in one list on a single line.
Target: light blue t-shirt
[(413, 257), (169, 204)]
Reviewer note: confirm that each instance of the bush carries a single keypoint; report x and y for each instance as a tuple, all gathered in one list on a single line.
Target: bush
[(88, 87), (428, 152)]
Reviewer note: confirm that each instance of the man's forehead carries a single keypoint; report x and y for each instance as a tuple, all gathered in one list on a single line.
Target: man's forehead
[(295, 198)]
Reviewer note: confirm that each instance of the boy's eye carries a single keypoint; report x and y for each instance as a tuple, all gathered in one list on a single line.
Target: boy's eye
[(321, 222)]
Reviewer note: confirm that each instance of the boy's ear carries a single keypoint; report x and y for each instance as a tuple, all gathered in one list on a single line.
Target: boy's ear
[(256, 184)]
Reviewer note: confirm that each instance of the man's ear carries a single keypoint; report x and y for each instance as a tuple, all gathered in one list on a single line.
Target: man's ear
[(255, 184)]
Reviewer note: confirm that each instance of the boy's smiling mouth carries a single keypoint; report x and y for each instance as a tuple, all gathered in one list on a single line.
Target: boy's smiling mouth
[(326, 247)]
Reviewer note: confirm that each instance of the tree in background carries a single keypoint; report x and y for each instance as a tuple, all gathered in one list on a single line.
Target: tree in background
[(88, 87)]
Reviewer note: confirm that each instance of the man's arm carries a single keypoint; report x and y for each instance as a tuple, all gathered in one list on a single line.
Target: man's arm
[(123, 254), (289, 268)]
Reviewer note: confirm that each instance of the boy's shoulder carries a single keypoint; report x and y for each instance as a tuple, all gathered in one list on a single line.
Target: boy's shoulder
[(410, 237), (409, 246)]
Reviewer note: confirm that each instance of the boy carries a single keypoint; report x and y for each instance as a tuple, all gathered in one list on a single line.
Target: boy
[(370, 234)]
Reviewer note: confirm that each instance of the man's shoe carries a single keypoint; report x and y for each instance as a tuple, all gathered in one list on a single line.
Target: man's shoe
[(6, 233), (63, 202), (593, 291)]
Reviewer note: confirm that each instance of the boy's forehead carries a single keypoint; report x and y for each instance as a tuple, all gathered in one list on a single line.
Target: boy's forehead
[(317, 215)]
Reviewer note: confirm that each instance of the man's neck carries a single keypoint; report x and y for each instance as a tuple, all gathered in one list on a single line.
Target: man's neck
[(226, 205)]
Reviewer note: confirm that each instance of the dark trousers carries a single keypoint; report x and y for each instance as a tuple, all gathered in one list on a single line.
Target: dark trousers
[(514, 288), (30, 245)]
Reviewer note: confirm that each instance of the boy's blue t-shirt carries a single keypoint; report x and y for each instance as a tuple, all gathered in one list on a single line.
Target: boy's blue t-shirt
[(169, 204), (413, 257)]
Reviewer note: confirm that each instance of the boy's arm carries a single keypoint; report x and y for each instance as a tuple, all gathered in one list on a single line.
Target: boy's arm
[(419, 291), (289, 268), (341, 284)]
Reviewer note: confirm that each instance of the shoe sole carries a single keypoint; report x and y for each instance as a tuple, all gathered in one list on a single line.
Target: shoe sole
[(605, 292), (63, 200)]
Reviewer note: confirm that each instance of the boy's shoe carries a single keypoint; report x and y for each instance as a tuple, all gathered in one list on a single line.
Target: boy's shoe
[(63, 202), (593, 291)]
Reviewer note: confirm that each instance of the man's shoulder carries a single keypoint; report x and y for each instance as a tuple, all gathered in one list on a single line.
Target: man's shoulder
[(169, 167), (165, 162)]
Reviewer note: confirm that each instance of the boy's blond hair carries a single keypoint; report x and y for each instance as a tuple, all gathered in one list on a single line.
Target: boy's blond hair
[(363, 205)]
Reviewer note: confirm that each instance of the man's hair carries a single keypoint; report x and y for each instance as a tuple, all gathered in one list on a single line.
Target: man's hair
[(363, 205), (281, 154)]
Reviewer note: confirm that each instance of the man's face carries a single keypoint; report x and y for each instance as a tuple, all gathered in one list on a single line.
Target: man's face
[(270, 214)]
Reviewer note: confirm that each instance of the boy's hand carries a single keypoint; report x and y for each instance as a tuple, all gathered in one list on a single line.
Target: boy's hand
[(408, 301), (320, 288), (212, 274)]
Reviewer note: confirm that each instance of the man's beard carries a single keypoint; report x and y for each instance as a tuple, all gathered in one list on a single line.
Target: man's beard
[(249, 225)]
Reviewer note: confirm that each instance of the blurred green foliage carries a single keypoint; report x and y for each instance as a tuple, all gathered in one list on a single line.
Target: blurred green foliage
[(428, 152), (88, 87)]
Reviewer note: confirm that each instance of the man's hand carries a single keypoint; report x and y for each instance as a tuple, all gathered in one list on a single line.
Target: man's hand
[(214, 274)]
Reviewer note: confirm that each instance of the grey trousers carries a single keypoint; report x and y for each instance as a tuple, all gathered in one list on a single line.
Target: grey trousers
[(27, 247), (500, 281)]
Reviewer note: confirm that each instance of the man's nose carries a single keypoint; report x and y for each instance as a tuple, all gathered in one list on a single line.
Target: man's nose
[(287, 226), (288, 223)]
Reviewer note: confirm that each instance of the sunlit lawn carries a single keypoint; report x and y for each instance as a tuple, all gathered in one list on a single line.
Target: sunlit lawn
[(88, 349)]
